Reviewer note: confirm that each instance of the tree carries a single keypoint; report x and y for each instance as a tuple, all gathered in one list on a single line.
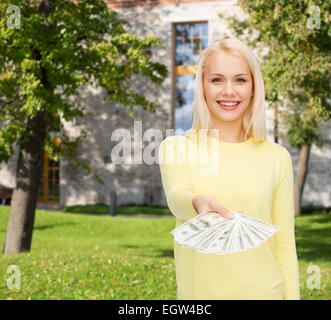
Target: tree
[(296, 68), (59, 44)]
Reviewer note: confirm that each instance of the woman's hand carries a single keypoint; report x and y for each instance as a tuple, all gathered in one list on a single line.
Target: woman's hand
[(203, 204)]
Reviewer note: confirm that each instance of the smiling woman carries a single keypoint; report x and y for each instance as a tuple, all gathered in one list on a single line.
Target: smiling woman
[(229, 87), (251, 175)]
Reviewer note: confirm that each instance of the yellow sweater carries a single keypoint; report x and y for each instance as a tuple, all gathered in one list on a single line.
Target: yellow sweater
[(256, 179)]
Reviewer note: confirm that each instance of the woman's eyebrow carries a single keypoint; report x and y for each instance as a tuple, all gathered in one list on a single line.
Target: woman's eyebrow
[(219, 74)]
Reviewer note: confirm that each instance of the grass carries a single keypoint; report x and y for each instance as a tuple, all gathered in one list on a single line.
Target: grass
[(79, 256), (103, 209), (85, 257)]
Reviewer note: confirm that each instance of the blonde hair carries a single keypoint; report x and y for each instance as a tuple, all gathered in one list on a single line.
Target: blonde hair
[(254, 122)]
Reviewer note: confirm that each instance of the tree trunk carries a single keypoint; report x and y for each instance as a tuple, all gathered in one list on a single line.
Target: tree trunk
[(276, 133), (29, 166), (301, 177), (25, 194)]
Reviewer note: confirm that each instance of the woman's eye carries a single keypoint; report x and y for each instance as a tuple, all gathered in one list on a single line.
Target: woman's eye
[(242, 80)]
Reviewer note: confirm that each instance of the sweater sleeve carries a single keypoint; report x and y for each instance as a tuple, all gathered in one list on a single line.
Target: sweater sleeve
[(283, 216), (175, 179)]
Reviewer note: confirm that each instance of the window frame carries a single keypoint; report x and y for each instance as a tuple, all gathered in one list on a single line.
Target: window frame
[(173, 63)]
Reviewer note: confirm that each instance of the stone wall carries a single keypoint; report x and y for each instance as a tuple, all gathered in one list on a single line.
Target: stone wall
[(8, 170), (141, 183)]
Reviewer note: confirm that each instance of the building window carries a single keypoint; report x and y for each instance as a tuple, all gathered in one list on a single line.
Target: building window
[(106, 159), (190, 39), (49, 190)]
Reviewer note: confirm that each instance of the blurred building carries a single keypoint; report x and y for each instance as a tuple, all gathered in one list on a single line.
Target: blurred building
[(185, 27)]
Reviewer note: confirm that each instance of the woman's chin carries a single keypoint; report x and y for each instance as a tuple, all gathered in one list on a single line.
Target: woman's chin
[(227, 116)]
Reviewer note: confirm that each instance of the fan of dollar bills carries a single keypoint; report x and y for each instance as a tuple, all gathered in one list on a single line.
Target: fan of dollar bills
[(211, 233)]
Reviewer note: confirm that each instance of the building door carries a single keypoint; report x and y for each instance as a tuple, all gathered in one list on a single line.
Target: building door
[(190, 39), (49, 190)]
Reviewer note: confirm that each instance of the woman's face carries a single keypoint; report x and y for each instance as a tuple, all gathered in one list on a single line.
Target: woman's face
[(228, 85)]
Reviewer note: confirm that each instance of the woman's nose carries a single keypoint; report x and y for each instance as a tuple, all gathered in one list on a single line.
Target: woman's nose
[(229, 90)]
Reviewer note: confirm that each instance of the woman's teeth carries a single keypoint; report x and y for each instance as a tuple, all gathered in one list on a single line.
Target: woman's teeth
[(228, 104)]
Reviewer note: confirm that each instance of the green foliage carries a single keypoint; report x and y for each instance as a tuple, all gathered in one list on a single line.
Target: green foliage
[(80, 42), (297, 64), (86, 257)]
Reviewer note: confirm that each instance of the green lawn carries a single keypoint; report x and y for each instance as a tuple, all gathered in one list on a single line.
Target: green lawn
[(76, 256)]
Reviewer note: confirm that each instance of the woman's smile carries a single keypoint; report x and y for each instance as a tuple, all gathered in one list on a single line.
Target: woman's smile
[(228, 105)]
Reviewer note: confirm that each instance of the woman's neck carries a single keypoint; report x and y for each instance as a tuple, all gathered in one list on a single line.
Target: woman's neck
[(230, 133)]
